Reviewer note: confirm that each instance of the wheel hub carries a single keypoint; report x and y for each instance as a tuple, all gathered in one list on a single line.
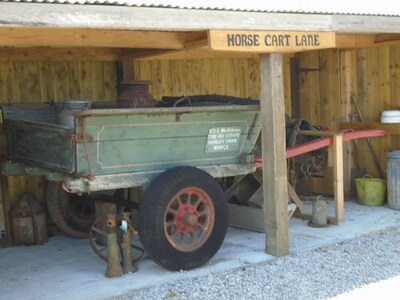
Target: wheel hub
[(186, 219), (189, 219)]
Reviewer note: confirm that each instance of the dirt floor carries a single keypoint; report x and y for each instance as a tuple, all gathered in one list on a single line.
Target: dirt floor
[(66, 268)]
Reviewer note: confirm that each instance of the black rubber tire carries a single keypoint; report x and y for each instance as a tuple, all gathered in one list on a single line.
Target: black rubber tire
[(57, 205), (153, 208)]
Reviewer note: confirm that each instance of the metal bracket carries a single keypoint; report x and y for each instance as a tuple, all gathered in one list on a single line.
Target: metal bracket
[(306, 70), (76, 138)]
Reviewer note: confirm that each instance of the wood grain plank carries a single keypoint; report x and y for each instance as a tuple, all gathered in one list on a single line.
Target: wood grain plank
[(110, 82), (274, 170), (254, 78), (338, 178), (62, 37), (47, 83), (98, 81), (286, 84), (6, 82), (362, 100), (334, 82), (374, 103), (345, 99), (86, 80), (75, 89), (335, 108), (304, 86), (188, 83), (314, 96), (395, 86), (61, 81), (385, 143), (26, 82), (35, 54)]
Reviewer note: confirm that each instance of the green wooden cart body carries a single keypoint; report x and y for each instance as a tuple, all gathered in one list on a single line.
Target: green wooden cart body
[(113, 148)]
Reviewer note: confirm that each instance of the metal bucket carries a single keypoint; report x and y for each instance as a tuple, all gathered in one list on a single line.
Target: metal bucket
[(393, 179), (370, 191)]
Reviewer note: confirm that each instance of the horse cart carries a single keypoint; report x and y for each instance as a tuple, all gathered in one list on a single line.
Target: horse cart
[(175, 153)]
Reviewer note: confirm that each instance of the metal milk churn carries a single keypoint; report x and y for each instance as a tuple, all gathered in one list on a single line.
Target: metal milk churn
[(66, 115), (28, 220), (135, 94)]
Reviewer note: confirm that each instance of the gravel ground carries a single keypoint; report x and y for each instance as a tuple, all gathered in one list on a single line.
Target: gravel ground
[(319, 274)]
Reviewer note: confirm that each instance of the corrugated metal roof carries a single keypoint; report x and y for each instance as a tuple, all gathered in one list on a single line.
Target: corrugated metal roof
[(382, 7)]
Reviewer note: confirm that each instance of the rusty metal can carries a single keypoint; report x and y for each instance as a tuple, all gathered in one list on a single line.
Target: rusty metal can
[(28, 220), (135, 94)]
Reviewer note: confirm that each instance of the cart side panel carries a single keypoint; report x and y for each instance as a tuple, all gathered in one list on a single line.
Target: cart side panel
[(149, 142), (43, 145), (31, 112)]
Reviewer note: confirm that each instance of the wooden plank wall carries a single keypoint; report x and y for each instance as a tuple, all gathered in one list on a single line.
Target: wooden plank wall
[(52, 81), (375, 84), (234, 77), (43, 81), (377, 88)]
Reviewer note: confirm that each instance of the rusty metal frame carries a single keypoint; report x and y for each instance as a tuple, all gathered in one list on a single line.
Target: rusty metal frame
[(326, 141), (331, 138)]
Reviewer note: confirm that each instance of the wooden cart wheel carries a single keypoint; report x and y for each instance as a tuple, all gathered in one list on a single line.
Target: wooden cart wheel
[(101, 250), (183, 218), (73, 219)]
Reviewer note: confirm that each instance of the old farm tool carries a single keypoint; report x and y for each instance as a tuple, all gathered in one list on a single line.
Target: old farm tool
[(118, 250), (324, 139), (370, 145)]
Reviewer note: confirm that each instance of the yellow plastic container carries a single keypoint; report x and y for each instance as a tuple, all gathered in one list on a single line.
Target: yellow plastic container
[(371, 191)]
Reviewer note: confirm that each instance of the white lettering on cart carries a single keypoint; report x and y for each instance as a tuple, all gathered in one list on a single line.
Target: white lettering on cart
[(223, 139)]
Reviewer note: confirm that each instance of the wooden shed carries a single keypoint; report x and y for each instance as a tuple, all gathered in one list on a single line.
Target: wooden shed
[(300, 63)]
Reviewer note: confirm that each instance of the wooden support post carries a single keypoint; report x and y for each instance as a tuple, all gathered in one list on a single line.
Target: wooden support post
[(273, 153), (338, 177)]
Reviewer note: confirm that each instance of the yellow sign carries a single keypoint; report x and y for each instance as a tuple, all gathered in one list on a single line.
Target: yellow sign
[(269, 41)]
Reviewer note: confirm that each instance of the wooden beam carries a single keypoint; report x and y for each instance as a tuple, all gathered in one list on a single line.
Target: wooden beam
[(193, 41), (389, 128), (385, 38), (273, 151), (350, 41), (338, 177), (197, 53), (62, 37), (293, 195), (354, 41), (11, 54)]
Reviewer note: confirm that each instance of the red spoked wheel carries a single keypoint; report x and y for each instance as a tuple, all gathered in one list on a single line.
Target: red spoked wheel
[(189, 219), (183, 218)]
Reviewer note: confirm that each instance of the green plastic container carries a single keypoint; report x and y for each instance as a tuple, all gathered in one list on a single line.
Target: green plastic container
[(371, 191)]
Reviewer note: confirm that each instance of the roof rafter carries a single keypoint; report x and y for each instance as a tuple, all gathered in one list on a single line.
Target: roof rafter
[(71, 37)]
